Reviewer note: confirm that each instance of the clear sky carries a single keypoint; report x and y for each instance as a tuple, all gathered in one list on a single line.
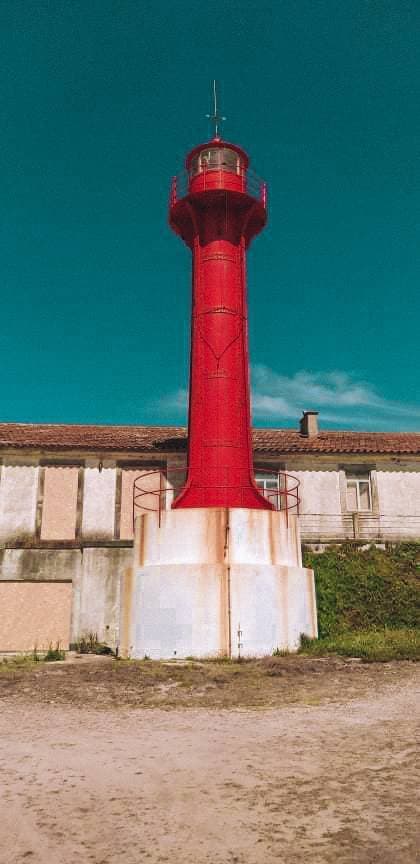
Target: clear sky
[(100, 100)]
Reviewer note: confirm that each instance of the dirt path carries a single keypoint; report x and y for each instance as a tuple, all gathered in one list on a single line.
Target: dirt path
[(330, 783)]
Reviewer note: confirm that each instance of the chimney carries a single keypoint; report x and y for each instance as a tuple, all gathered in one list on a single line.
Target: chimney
[(309, 424)]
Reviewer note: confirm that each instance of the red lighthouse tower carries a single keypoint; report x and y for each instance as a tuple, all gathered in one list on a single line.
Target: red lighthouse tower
[(222, 561), (217, 206)]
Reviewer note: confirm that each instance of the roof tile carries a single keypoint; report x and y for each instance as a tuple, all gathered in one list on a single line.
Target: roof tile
[(149, 439)]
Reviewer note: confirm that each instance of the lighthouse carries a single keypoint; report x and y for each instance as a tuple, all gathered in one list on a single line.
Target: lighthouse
[(217, 206), (220, 572)]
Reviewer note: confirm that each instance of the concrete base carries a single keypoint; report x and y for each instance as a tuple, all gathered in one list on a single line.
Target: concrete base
[(214, 581)]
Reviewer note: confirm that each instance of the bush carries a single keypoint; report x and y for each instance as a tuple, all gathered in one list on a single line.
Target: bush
[(363, 589)]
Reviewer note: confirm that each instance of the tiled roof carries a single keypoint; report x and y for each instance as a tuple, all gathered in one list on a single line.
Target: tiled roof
[(172, 438)]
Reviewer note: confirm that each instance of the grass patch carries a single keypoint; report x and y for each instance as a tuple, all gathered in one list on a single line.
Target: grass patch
[(21, 663), (368, 589), (18, 660), (272, 681), (372, 646)]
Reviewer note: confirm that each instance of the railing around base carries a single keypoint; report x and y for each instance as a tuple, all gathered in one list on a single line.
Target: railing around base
[(284, 497)]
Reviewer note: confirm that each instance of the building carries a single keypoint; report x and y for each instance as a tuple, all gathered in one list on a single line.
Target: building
[(66, 509)]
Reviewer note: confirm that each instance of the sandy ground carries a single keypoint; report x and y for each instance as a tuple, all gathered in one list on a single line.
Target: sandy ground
[(330, 782)]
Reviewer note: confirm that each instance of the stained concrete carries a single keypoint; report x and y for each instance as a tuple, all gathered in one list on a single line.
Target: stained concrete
[(96, 593), (271, 606), (94, 573), (201, 574), (40, 565), (99, 503)]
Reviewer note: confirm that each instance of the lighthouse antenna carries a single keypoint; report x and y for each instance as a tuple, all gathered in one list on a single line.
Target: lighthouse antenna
[(216, 118)]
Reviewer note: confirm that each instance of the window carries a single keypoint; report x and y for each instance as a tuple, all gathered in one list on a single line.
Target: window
[(271, 486), (358, 492)]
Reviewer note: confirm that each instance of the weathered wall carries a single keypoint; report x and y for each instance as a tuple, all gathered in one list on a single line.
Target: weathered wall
[(34, 615), (199, 575), (94, 606), (95, 503), (145, 503), (96, 593), (59, 506), (399, 491), (321, 501), (99, 503), (43, 565), (18, 499), (399, 501), (100, 506), (395, 491), (319, 491)]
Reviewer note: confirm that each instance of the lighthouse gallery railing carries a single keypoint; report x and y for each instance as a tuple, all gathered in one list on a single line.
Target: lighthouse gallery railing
[(251, 184)]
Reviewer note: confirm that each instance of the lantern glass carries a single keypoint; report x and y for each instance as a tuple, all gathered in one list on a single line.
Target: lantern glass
[(216, 159)]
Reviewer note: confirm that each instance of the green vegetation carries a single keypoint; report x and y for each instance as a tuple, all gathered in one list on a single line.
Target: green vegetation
[(35, 656), (368, 602), (17, 661), (371, 646), (365, 589), (280, 652), (28, 661), (89, 644), (54, 653)]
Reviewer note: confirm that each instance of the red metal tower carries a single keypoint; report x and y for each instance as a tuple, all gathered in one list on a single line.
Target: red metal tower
[(217, 206)]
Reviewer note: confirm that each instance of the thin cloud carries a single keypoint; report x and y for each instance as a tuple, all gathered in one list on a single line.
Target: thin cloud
[(341, 398), (172, 404)]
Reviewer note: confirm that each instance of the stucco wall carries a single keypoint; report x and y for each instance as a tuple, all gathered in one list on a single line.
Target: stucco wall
[(144, 502), (39, 564), (399, 492), (18, 497), (59, 506), (96, 593), (34, 614), (95, 573), (319, 491), (99, 503)]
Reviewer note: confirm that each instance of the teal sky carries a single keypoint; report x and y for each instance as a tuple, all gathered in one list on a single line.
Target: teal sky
[(99, 103)]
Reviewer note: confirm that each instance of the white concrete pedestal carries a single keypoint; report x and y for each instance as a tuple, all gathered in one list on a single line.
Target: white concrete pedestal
[(201, 575)]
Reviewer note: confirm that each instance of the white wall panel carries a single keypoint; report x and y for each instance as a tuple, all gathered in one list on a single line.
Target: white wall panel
[(18, 496), (99, 502)]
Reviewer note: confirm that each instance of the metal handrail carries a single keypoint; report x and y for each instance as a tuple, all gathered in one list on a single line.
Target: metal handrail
[(281, 495), (359, 525), (253, 184)]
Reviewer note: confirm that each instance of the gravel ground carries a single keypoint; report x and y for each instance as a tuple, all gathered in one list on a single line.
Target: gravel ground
[(324, 772)]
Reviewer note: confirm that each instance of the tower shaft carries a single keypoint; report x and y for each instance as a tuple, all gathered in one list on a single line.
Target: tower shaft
[(217, 219)]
